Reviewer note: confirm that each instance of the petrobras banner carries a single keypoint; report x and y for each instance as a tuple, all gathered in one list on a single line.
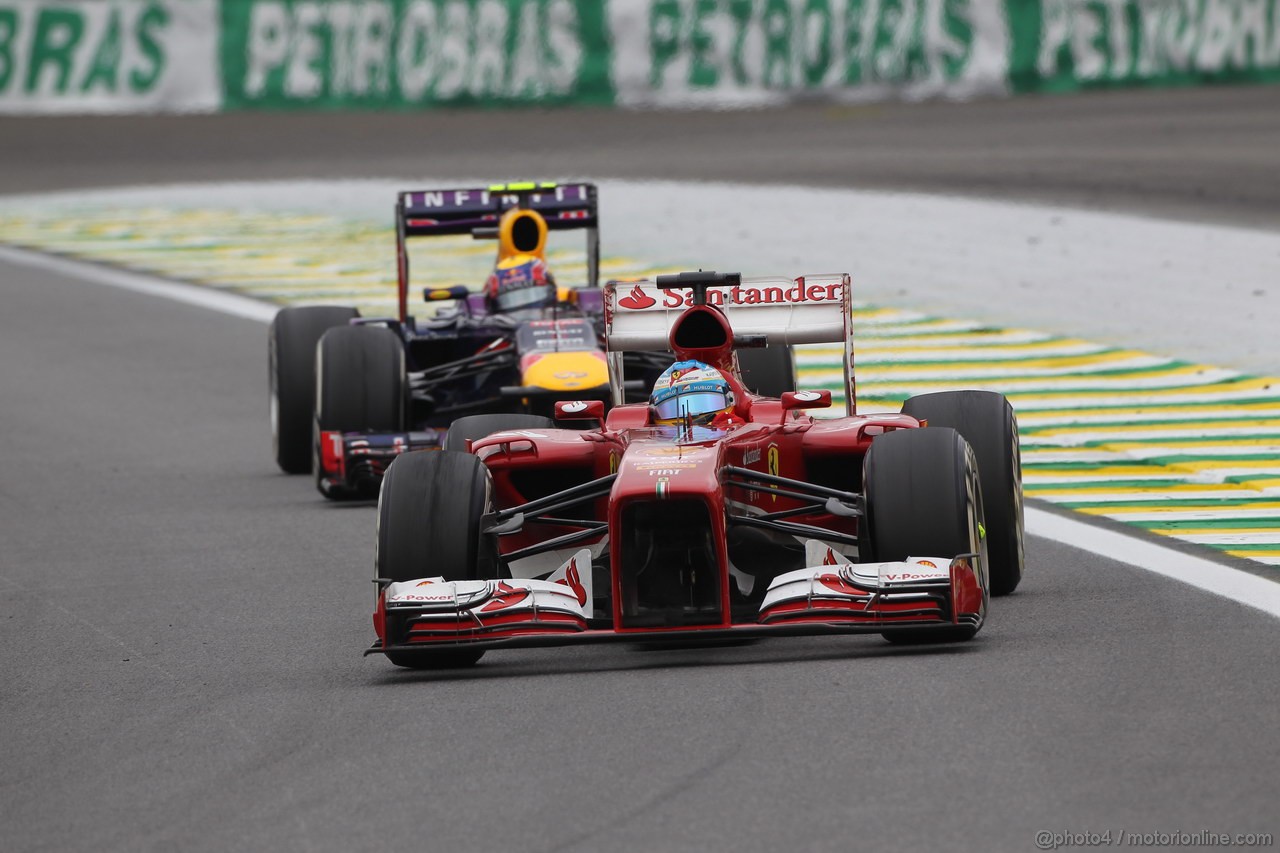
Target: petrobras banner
[(725, 53), (730, 53), (1063, 45), (86, 56), (202, 55), (413, 53)]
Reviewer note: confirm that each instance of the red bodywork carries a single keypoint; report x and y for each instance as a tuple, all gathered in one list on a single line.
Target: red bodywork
[(702, 471)]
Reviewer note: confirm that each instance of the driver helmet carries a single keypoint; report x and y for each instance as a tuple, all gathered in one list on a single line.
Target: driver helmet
[(690, 389), (520, 282), (521, 279)]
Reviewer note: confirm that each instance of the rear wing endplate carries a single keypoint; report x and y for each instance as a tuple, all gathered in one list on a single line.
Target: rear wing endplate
[(811, 309)]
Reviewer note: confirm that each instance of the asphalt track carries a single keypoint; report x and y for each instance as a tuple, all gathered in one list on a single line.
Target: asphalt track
[(182, 624), (1196, 154)]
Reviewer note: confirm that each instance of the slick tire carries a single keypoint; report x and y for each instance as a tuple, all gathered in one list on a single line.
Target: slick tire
[(360, 385), (768, 371), (429, 515), (291, 358), (987, 422), (922, 498), (478, 426)]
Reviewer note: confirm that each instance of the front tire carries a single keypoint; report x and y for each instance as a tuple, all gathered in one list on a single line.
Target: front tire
[(473, 427), (429, 515), (291, 359), (987, 422), (922, 498)]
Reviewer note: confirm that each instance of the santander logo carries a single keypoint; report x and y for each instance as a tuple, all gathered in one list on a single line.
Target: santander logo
[(798, 291), (637, 300)]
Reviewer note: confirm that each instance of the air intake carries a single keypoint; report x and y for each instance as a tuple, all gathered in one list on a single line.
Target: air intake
[(525, 235), (700, 329)]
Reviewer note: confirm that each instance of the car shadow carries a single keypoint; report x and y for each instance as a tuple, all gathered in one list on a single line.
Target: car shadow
[(636, 658)]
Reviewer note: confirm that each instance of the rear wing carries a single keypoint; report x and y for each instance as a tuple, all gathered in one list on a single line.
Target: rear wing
[(435, 213), (811, 309)]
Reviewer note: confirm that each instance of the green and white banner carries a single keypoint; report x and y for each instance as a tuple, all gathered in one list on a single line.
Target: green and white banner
[(726, 53), (413, 53), (1064, 45), (85, 56), (203, 55)]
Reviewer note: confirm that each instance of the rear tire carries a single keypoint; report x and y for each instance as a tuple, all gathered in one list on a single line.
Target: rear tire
[(291, 359), (768, 371), (429, 515), (473, 427), (922, 498), (987, 422), (359, 388)]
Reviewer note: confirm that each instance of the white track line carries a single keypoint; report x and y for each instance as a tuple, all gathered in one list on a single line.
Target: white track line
[(190, 294), (1243, 587), (1248, 589)]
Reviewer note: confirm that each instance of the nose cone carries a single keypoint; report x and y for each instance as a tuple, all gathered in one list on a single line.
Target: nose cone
[(660, 470), (566, 371)]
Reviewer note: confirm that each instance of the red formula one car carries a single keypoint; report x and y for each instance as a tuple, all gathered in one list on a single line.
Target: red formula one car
[(708, 513)]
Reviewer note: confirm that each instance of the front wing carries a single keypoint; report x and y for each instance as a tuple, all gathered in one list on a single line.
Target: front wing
[(834, 597)]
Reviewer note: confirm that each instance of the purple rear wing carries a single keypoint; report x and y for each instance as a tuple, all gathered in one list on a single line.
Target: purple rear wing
[(434, 213), (426, 213)]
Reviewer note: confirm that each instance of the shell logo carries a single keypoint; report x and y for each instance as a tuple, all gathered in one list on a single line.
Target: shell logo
[(679, 450), (637, 300), (927, 564)]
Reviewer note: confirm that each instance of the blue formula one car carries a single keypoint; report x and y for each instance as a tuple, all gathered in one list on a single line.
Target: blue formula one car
[(350, 393)]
